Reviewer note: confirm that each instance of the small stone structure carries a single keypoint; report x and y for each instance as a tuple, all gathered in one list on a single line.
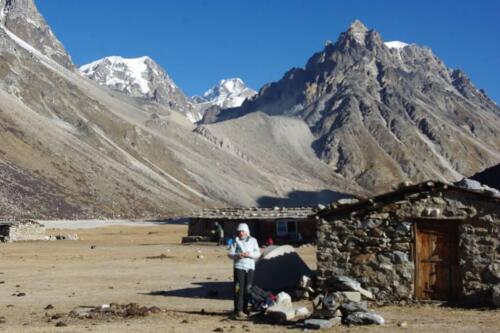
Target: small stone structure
[(21, 230), (430, 241), (284, 225)]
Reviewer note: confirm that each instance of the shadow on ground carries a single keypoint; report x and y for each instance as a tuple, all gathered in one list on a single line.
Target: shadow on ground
[(302, 198), (208, 290)]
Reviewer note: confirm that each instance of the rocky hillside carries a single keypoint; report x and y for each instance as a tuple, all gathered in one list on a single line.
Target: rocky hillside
[(72, 148), (23, 19), (140, 78), (384, 112)]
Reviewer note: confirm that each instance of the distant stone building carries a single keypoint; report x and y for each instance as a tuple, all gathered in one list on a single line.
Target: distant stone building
[(430, 241), (283, 225), (21, 230)]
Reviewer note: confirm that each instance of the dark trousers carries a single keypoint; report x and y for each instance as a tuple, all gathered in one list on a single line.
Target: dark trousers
[(243, 281)]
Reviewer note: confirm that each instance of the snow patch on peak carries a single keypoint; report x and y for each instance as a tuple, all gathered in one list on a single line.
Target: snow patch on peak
[(120, 73), (395, 44), (228, 93)]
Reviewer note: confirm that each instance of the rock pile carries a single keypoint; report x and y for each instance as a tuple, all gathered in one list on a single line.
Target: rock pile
[(113, 310), (344, 302)]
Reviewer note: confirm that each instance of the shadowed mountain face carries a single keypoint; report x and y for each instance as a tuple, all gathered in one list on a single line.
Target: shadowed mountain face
[(384, 112), (72, 148)]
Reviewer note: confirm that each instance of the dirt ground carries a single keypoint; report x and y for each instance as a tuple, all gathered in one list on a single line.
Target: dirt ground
[(148, 265)]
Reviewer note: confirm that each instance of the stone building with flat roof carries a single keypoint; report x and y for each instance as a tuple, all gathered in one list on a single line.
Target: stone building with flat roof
[(431, 241), (21, 230), (283, 225)]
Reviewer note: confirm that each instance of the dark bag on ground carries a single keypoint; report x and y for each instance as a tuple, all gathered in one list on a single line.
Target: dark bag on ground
[(260, 299)]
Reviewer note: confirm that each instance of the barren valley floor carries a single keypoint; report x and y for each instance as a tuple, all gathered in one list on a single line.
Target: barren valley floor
[(116, 264)]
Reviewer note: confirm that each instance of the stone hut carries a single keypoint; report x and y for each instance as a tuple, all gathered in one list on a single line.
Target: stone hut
[(21, 230), (430, 241), (284, 225)]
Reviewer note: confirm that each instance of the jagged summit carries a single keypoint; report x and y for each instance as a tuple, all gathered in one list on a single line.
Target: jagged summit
[(228, 93), (358, 31), (384, 112)]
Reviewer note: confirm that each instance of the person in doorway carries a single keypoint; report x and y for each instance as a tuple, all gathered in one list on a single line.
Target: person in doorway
[(244, 252), (219, 230)]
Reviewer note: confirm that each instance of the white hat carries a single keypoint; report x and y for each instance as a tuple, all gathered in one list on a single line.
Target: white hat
[(243, 227)]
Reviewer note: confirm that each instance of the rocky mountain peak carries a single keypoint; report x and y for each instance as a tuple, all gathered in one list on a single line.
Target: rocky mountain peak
[(358, 31), (141, 78), (228, 93), (22, 18), (370, 104)]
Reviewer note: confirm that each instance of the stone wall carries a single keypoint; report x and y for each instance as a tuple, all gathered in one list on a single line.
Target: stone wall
[(373, 249), (374, 244), (26, 230)]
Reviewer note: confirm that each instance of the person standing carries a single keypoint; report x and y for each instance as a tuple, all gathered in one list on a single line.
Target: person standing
[(219, 230), (244, 252)]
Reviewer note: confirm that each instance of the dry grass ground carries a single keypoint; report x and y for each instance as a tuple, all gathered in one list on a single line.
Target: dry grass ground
[(67, 274)]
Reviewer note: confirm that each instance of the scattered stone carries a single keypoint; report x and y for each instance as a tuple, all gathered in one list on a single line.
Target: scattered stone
[(20, 294), (320, 324), (364, 318), (2, 320), (161, 256), (352, 296), (344, 283), (57, 316), (200, 256), (48, 307), (2, 282), (218, 329), (61, 324), (403, 324), (185, 321), (93, 247), (352, 307)]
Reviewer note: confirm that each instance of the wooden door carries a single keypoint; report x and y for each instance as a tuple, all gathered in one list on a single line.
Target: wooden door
[(436, 266)]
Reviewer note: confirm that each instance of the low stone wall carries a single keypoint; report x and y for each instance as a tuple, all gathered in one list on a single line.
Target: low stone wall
[(26, 231)]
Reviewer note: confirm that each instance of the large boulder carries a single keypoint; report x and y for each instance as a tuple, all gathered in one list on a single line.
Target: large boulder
[(280, 268)]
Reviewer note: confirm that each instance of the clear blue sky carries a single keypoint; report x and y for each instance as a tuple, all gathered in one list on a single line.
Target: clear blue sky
[(199, 42)]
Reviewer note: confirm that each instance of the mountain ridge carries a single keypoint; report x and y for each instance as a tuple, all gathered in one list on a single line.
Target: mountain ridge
[(370, 105)]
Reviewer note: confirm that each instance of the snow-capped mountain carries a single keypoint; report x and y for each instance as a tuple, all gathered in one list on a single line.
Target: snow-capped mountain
[(139, 77), (228, 93)]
